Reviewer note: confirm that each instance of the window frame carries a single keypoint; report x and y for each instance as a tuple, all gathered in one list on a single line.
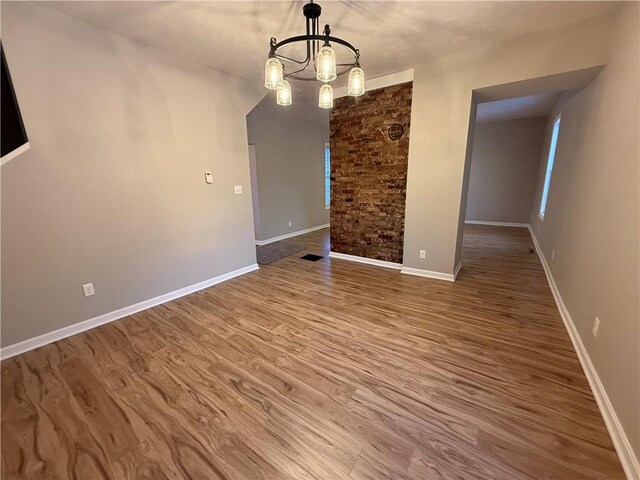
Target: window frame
[(548, 173)]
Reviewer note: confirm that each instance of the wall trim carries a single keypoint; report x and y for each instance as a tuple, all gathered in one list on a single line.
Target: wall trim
[(428, 273), (64, 332), (620, 440), (14, 153), (397, 78), (457, 270), (497, 224), (292, 234), (397, 266), (368, 261)]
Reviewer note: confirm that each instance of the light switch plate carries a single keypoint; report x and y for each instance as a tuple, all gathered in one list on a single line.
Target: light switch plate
[(208, 177), (596, 327), (237, 189)]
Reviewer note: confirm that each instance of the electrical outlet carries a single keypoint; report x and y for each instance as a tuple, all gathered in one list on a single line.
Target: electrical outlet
[(553, 254), (290, 223), (596, 326), (237, 189), (423, 254), (88, 290)]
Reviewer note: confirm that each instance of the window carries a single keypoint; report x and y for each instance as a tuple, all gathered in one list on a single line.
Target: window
[(327, 176), (550, 159)]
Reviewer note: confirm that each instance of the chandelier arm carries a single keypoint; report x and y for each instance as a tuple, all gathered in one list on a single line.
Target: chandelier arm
[(292, 74), (316, 44), (316, 49), (309, 43), (315, 66), (304, 38), (304, 62), (338, 74), (293, 60)]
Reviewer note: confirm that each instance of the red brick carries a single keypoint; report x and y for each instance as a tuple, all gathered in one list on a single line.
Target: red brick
[(369, 173)]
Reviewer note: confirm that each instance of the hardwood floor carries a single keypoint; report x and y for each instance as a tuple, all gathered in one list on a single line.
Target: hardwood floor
[(325, 370)]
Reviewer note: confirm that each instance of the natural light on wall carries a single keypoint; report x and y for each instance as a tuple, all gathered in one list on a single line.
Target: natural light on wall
[(550, 160)]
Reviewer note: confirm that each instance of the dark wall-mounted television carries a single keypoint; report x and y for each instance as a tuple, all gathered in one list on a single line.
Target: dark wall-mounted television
[(14, 134)]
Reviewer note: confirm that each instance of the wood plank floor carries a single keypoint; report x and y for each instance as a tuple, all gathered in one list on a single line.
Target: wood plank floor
[(326, 370)]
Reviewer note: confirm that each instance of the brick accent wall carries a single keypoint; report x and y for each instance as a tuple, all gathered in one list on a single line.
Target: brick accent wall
[(369, 173)]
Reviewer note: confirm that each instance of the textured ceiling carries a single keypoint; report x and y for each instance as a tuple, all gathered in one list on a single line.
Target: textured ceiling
[(392, 36), (514, 108)]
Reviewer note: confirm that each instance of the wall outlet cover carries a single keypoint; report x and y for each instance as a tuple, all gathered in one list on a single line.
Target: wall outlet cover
[(88, 290), (237, 189), (423, 254)]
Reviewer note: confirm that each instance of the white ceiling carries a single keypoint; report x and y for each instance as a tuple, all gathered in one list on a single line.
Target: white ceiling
[(514, 108), (233, 36)]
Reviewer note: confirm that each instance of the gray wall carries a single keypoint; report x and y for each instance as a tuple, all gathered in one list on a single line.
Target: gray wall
[(592, 219), (112, 191), (289, 170), (442, 103), (504, 170)]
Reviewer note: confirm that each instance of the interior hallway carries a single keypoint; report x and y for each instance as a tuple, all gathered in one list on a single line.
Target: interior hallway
[(329, 370)]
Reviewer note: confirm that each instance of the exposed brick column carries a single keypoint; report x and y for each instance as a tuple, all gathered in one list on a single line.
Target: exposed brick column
[(369, 173)]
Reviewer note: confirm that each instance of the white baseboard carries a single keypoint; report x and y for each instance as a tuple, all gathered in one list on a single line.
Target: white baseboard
[(46, 338), (15, 153), (396, 266), (368, 261), (497, 224), (292, 234), (620, 440), (457, 271), (428, 273)]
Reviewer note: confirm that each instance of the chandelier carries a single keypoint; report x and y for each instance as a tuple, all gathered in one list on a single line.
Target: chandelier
[(320, 55)]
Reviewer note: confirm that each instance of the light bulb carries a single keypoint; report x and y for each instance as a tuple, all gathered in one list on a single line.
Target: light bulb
[(284, 94), (356, 82), (325, 99), (326, 64), (272, 73)]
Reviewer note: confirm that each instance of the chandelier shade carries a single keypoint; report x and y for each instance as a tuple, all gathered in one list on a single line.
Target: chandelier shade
[(283, 95), (355, 88), (319, 64), (273, 73), (326, 64), (325, 98)]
